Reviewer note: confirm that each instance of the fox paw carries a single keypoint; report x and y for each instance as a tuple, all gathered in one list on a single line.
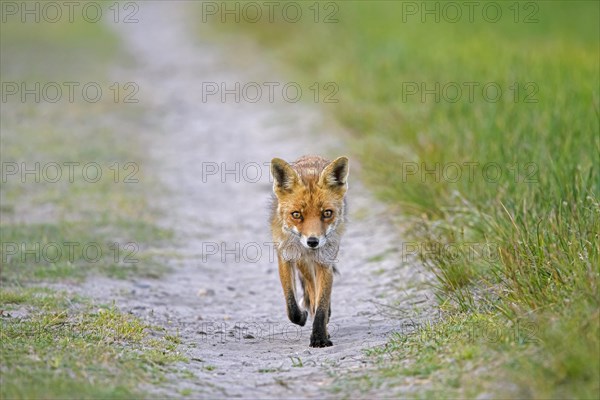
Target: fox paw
[(299, 318), (319, 341)]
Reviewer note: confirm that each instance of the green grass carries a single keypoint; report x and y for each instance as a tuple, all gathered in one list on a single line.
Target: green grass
[(73, 250), (112, 213), (541, 216), (66, 347)]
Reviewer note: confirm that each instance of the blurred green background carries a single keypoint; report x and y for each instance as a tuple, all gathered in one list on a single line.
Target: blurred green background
[(54, 343)]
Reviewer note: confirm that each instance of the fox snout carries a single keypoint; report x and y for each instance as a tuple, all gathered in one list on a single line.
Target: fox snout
[(312, 232), (313, 242)]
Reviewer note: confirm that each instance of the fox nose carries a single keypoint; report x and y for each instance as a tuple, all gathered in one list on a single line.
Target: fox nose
[(312, 242)]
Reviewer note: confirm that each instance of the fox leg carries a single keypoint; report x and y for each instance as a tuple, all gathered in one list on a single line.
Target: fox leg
[(288, 283), (307, 278), (320, 337)]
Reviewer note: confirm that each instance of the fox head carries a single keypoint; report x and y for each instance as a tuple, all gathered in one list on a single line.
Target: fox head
[(310, 198)]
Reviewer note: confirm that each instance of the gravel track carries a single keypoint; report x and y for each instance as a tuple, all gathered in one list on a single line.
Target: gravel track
[(230, 313)]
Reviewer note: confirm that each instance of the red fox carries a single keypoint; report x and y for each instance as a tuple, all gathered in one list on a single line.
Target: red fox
[(307, 221)]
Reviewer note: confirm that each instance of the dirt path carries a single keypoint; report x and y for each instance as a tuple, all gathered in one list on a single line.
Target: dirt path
[(230, 312)]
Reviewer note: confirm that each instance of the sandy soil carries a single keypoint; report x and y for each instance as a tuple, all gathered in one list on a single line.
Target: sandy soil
[(228, 306)]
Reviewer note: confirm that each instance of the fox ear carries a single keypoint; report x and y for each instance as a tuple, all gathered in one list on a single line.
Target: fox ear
[(284, 176), (335, 174)]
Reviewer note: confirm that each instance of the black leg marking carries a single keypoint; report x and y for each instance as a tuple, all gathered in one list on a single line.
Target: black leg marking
[(319, 334), (328, 318), (295, 315)]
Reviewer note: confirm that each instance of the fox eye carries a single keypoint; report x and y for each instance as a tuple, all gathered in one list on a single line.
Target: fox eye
[(327, 214), (296, 215)]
